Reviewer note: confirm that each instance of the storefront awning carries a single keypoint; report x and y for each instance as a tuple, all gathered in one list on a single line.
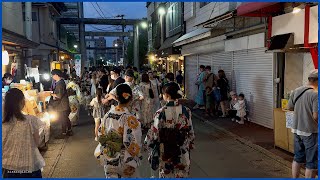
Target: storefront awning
[(193, 36), (14, 39), (250, 7), (168, 42)]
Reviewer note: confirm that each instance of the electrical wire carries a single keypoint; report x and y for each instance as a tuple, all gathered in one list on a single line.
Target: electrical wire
[(112, 16), (96, 9)]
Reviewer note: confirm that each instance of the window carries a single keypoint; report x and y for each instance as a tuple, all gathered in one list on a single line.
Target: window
[(34, 16), (202, 4), (174, 18)]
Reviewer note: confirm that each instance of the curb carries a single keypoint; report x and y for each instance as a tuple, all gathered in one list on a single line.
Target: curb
[(258, 148)]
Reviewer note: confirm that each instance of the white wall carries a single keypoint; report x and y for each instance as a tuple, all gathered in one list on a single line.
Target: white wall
[(12, 18), (294, 23), (247, 42)]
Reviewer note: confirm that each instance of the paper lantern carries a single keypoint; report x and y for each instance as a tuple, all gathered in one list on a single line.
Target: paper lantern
[(5, 58)]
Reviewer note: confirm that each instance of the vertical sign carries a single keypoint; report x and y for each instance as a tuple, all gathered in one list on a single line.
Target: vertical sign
[(77, 64)]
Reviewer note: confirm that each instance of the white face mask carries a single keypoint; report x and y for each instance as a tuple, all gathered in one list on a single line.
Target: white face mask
[(241, 101), (8, 81), (113, 77)]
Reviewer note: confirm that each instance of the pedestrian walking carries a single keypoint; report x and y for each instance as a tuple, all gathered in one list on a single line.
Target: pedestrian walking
[(304, 103), (75, 99), (155, 84), (104, 81), (200, 97), (98, 111), (115, 75), (20, 139), (171, 137), (93, 84), (119, 148), (147, 105), (179, 78), (60, 103)]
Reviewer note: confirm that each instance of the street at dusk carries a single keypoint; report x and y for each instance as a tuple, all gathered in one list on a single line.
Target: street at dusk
[(159, 89)]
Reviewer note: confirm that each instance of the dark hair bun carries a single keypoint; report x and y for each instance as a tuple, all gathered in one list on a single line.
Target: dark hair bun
[(124, 93), (172, 89)]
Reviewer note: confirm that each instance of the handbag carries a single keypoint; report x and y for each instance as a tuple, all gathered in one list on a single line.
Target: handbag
[(154, 156), (151, 94)]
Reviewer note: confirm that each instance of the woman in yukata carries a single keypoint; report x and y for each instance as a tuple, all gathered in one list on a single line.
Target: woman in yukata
[(171, 137), (119, 148)]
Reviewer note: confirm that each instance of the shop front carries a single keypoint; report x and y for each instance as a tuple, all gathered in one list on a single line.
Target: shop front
[(296, 56)]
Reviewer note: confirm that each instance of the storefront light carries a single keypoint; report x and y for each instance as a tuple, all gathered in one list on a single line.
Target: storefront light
[(5, 58), (296, 10)]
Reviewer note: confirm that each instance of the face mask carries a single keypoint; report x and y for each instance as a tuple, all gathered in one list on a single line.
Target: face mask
[(8, 81), (241, 101)]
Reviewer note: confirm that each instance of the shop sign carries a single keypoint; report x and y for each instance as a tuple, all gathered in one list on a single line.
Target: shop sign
[(77, 63)]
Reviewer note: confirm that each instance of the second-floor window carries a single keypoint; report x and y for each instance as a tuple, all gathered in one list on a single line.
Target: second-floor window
[(174, 18), (202, 4)]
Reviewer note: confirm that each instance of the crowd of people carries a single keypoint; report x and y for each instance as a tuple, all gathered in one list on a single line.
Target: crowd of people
[(214, 95), (125, 105)]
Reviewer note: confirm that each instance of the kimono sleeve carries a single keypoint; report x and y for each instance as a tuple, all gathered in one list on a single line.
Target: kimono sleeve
[(132, 134), (191, 135), (139, 91), (153, 133)]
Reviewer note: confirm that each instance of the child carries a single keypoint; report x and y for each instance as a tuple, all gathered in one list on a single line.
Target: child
[(240, 106), (98, 110), (209, 100), (87, 100)]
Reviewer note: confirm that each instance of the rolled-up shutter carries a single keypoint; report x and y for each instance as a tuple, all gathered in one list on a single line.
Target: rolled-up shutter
[(191, 71), (254, 77)]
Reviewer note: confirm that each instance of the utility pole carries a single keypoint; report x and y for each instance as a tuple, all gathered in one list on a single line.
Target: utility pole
[(122, 38), (136, 46), (28, 25), (82, 37)]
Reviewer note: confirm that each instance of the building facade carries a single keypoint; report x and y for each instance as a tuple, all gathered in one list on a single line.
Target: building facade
[(166, 24)]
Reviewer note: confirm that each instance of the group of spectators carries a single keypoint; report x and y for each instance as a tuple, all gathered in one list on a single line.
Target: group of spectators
[(214, 94)]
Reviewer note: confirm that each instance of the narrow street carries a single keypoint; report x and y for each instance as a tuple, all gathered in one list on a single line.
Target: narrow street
[(217, 154)]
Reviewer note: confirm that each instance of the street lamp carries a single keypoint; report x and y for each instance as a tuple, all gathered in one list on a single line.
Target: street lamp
[(144, 25), (161, 11), (115, 45), (62, 57), (75, 46)]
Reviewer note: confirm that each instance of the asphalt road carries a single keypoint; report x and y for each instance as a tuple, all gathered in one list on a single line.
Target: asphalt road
[(216, 154)]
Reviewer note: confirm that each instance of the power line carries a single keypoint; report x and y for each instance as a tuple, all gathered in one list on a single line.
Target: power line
[(102, 11), (96, 9)]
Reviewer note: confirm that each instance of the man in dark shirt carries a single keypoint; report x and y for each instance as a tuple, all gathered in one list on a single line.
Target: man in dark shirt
[(60, 102), (115, 75), (104, 80), (179, 78)]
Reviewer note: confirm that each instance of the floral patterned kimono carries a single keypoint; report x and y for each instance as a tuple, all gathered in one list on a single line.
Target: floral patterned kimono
[(172, 136), (119, 150), (147, 105), (74, 102), (135, 104)]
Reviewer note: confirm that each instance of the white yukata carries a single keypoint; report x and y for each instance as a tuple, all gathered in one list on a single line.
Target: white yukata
[(120, 151)]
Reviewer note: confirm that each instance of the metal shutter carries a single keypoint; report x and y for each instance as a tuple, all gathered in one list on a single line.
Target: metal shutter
[(191, 71), (222, 61), (253, 76), (205, 60)]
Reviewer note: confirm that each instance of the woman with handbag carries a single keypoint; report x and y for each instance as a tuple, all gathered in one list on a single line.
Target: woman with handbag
[(147, 105), (171, 137), (119, 148), (20, 139)]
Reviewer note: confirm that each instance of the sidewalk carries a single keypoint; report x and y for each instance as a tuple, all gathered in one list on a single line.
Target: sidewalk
[(251, 132)]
